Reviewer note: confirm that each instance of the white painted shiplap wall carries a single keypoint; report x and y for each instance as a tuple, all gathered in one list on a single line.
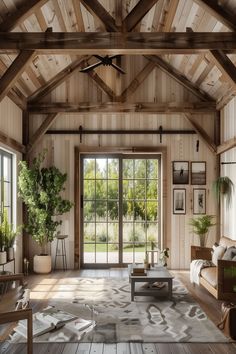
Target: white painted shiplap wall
[(228, 129), (11, 125), (179, 147)]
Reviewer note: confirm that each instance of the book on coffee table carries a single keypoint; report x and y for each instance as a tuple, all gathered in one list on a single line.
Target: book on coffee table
[(138, 271)]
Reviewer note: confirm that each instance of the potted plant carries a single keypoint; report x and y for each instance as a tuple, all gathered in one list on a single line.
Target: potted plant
[(40, 188), (223, 186), (3, 253), (201, 227), (10, 233)]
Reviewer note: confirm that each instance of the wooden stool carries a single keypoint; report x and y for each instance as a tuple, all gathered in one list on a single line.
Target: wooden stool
[(63, 251)]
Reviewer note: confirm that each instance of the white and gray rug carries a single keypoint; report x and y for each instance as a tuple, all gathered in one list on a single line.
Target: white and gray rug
[(148, 319)]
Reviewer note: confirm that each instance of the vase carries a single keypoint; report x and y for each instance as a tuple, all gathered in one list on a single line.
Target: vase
[(10, 253), (203, 240), (42, 264), (3, 257)]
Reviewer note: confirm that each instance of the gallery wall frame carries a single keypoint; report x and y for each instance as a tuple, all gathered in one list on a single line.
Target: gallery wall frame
[(179, 201), (180, 172), (199, 201), (198, 173)]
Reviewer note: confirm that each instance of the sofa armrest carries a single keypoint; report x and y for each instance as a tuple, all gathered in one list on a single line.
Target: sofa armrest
[(13, 277), (226, 279), (198, 252)]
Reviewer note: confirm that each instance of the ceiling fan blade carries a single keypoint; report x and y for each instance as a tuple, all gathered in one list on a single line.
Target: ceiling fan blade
[(115, 56), (90, 67), (98, 57), (118, 68)]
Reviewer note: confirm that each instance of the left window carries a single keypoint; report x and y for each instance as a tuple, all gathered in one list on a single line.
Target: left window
[(6, 186)]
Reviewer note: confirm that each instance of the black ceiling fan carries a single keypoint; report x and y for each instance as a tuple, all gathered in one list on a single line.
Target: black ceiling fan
[(106, 61)]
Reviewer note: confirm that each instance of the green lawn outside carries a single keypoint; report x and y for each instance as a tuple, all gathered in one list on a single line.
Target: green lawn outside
[(88, 247)]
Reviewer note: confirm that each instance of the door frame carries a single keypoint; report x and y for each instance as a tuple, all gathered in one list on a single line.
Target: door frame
[(165, 195)]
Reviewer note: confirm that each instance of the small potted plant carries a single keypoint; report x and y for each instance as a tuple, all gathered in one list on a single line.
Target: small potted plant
[(223, 186), (3, 253), (201, 227), (10, 233), (164, 254), (40, 189)]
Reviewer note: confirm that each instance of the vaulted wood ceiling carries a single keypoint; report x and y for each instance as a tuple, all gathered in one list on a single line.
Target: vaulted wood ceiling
[(35, 58)]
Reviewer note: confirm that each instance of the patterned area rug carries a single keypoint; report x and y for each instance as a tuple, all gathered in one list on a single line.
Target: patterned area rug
[(148, 319)]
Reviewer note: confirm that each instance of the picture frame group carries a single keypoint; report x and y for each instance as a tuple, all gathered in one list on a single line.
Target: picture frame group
[(199, 201), (181, 172)]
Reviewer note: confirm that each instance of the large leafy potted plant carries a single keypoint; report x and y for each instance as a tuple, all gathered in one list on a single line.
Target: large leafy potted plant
[(201, 227), (223, 186), (40, 189)]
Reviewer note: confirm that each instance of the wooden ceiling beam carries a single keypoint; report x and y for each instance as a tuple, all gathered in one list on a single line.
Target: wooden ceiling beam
[(173, 4), (12, 143), (78, 15), (17, 17), (37, 136), (13, 73), (57, 80), (225, 65), (101, 84), (118, 43), (137, 13), (219, 11), (97, 10), (202, 133), (179, 77), (146, 107), (227, 145), (139, 78)]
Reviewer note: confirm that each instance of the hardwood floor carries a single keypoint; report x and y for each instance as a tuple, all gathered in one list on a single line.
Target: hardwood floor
[(40, 284)]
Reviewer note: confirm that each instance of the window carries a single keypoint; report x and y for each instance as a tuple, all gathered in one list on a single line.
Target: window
[(120, 216), (6, 183)]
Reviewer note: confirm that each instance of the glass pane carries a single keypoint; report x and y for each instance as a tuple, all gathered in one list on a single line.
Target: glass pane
[(89, 168), (113, 254), (139, 233), (89, 253), (7, 168), (152, 234), (140, 190), (101, 211), (128, 189), (128, 168), (151, 211), (140, 168), (113, 210), (101, 253), (113, 232), (89, 232), (151, 189), (139, 253), (139, 211), (128, 232), (113, 168), (101, 189), (89, 211), (128, 211), (101, 232), (101, 168), (7, 194), (89, 189), (128, 253), (152, 168), (113, 189)]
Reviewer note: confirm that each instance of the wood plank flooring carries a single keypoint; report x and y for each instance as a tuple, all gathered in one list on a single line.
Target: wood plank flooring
[(206, 301)]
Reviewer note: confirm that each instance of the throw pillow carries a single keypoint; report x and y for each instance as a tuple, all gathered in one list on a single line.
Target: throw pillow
[(217, 254), (230, 254)]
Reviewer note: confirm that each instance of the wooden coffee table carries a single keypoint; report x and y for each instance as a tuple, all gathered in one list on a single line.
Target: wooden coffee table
[(156, 274)]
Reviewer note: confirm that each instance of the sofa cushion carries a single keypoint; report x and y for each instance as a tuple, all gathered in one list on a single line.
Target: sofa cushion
[(229, 254), (210, 275), (217, 254)]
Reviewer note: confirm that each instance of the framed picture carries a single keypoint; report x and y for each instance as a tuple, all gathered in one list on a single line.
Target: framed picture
[(198, 173), (179, 201), (199, 201), (180, 172)]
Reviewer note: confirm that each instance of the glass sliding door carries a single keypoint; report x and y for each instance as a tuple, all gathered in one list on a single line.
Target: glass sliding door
[(120, 208)]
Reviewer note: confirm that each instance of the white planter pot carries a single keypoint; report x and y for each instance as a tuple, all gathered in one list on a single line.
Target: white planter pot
[(42, 264), (10, 253), (3, 257)]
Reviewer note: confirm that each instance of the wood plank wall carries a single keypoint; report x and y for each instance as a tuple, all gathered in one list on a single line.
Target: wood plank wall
[(228, 129), (11, 125)]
